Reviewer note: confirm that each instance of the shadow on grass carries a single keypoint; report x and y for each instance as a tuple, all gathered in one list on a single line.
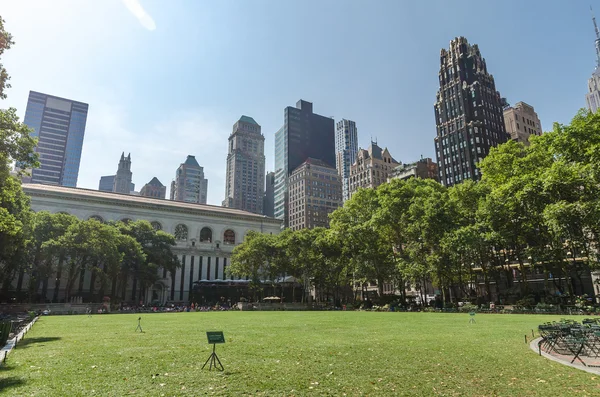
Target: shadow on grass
[(26, 342), (7, 383)]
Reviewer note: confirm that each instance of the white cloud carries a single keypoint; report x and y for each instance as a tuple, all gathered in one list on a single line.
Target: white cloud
[(138, 11)]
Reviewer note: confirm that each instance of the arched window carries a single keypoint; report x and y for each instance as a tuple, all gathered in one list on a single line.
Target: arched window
[(229, 237), (97, 217), (156, 225), (205, 235), (181, 232), (126, 220)]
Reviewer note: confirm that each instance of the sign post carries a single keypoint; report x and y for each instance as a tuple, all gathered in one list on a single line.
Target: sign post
[(214, 337)]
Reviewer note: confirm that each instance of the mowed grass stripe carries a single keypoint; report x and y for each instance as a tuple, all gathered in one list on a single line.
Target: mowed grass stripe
[(288, 353)]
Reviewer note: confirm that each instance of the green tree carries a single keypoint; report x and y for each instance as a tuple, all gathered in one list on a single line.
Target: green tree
[(372, 257), (16, 145), (251, 259), (84, 245), (6, 41), (44, 261), (157, 247)]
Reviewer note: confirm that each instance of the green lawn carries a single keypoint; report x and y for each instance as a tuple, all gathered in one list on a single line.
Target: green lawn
[(288, 353)]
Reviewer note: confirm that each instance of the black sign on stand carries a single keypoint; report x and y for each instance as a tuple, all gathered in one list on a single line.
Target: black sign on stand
[(214, 337)]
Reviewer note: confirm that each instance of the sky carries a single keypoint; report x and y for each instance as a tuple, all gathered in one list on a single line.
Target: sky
[(165, 79)]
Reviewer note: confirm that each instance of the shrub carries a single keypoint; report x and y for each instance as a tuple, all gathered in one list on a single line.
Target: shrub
[(468, 307)]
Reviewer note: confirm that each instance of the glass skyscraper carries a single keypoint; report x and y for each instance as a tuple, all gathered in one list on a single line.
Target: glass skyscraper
[(304, 135), (59, 125), (346, 148)]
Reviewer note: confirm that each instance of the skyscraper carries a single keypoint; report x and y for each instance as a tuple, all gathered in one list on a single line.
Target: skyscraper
[(304, 134), (269, 199), (521, 121), (593, 96), (189, 184), (122, 180), (107, 184), (346, 148), (59, 125), (315, 192), (468, 113), (154, 189), (245, 180)]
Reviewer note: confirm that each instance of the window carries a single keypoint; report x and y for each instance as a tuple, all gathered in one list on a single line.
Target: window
[(156, 225), (181, 232), (229, 237), (98, 218), (205, 235)]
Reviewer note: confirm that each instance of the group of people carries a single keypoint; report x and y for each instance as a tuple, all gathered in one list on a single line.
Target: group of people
[(176, 307)]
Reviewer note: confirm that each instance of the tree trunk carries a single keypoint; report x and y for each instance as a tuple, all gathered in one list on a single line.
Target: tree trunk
[(134, 289), (93, 276), (58, 277), (124, 280), (113, 289), (380, 287), (45, 288)]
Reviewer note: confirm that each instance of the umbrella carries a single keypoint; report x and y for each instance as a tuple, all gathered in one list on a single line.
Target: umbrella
[(272, 298)]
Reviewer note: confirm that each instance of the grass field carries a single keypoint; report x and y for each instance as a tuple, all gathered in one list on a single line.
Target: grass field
[(288, 353)]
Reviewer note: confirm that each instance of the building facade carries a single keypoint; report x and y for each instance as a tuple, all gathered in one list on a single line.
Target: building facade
[(190, 185), (244, 180), (107, 184), (521, 122), (269, 199), (59, 125), (372, 167), (425, 168), (304, 135), (468, 113), (346, 148), (154, 189), (206, 235), (315, 191), (593, 95), (122, 181)]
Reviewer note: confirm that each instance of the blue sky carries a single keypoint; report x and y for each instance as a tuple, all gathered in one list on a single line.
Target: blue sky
[(165, 79)]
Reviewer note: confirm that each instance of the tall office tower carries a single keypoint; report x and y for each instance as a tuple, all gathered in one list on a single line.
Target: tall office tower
[(107, 184), (304, 134), (269, 199), (372, 167), (122, 182), (154, 189), (189, 184), (346, 147), (593, 96), (468, 113), (521, 121), (315, 191), (245, 178), (59, 125)]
